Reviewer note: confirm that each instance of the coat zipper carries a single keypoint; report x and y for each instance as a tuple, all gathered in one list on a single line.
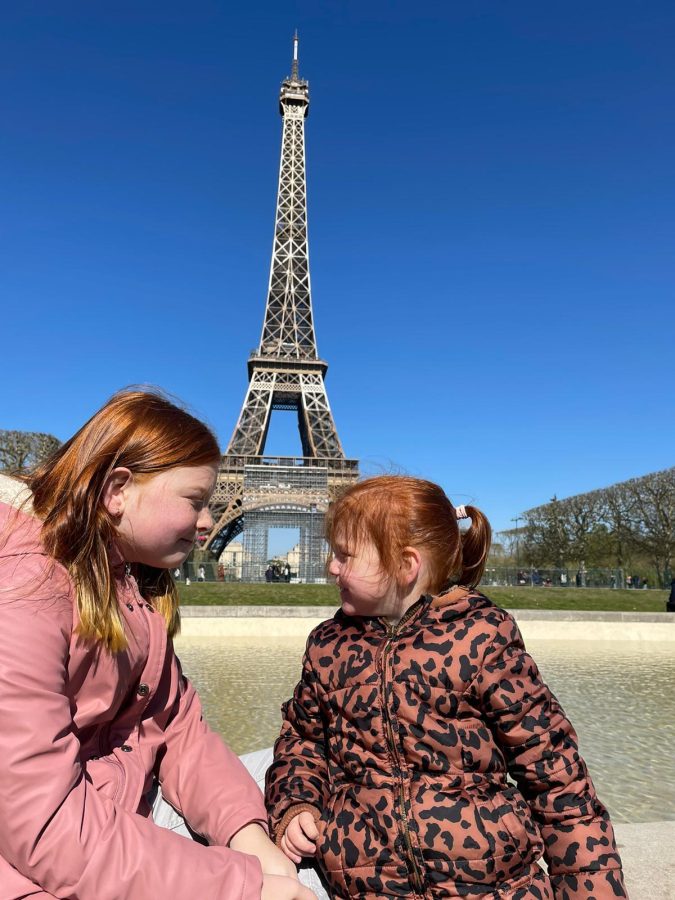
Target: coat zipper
[(417, 877)]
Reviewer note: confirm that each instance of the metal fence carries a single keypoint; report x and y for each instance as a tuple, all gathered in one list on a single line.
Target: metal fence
[(502, 576), (508, 576)]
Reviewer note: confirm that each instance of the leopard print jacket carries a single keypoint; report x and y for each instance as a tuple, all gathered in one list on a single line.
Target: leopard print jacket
[(400, 740)]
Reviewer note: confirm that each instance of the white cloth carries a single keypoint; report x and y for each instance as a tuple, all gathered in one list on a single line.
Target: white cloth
[(257, 764), (14, 493)]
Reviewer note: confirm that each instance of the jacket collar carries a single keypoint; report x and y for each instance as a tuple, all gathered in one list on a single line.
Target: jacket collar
[(455, 595), (451, 603)]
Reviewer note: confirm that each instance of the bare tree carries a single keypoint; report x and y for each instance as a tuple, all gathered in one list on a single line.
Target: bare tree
[(547, 539), (578, 517), (21, 450), (621, 516), (654, 497)]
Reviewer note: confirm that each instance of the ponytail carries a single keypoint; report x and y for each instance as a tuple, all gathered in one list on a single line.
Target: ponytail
[(475, 547)]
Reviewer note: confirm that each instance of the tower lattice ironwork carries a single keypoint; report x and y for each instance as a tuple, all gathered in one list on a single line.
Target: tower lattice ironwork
[(257, 492)]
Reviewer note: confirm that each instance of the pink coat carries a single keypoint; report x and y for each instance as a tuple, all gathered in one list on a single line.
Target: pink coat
[(82, 735)]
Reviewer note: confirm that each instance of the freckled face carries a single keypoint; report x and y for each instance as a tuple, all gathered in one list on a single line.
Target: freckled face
[(163, 515), (365, 590)]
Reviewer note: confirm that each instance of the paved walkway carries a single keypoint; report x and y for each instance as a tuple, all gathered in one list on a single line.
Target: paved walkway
[(648, 854)]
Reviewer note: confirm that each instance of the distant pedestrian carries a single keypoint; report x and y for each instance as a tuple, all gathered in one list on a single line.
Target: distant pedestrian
[(201, 574), (670, 602)]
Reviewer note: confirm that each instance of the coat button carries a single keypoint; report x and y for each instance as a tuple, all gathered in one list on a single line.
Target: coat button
[(130, 606), (143, 690), (126, 748)]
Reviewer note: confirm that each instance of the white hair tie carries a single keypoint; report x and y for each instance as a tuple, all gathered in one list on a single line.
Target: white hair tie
[(461, 513)]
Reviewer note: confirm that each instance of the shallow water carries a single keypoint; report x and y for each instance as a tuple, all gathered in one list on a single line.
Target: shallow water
[(620, 697)]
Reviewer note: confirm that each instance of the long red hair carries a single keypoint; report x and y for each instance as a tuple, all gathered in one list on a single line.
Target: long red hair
[(397, 511), (140, 430)]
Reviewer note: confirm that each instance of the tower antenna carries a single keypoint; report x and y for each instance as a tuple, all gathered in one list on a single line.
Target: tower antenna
[(294, 67)]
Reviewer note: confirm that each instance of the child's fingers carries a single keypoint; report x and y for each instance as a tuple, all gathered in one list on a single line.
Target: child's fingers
[(297, 839), (288, 851), (308, 825), (303, 846), (300, 844)]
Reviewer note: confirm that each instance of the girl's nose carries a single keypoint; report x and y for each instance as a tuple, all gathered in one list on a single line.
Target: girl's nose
[(205, 520), (333, 567)]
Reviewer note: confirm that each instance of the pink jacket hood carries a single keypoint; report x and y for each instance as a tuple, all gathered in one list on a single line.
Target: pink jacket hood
[(83, 733)]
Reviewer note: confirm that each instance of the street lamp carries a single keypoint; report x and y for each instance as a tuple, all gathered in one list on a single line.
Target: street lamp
[(517, 519)]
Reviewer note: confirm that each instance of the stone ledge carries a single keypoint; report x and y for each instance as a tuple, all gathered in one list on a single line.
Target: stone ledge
[(298, 621), (258, 612), (325, 612)]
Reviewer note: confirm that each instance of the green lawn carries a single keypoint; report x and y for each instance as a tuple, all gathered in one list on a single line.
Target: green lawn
[(235, 594)]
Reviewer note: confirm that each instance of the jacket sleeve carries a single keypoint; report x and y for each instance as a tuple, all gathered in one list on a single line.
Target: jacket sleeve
[(58, 831), (199, 774), (540, 747), (298, 776)]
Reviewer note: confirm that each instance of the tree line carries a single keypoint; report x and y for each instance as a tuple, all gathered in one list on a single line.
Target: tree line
[(615, 526)]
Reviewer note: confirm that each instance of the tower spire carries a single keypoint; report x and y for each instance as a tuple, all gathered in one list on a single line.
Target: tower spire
[(294, 67)]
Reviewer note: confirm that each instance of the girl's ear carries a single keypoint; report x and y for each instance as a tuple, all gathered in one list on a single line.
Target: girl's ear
[(410, 565), (115, 491)]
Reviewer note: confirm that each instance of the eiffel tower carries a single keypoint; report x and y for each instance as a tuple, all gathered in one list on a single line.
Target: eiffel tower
[(256, 492)]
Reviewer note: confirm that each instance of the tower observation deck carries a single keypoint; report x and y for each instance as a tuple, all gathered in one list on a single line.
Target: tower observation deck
[(256, 492)]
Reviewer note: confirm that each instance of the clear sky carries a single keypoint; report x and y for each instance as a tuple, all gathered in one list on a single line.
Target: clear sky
[(491, 214)]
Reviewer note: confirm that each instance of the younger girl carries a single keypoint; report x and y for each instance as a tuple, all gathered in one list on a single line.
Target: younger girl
[(94, 709), (417, 702)]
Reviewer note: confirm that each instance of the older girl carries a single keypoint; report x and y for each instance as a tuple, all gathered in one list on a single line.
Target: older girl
[(94, 709), (417, 702)]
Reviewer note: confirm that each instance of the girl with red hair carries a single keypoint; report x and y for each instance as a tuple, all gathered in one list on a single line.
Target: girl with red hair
[(94, 709), (422, 755)]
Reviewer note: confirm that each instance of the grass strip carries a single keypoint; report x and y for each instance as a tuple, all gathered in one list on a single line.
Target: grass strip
[(277, 594)]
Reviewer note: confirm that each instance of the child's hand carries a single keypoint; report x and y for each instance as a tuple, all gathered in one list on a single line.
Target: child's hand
[(300, 836), (276, 887), (253, 839)]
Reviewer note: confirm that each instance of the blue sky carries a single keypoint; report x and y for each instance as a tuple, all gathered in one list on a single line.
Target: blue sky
[(491, 214)]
